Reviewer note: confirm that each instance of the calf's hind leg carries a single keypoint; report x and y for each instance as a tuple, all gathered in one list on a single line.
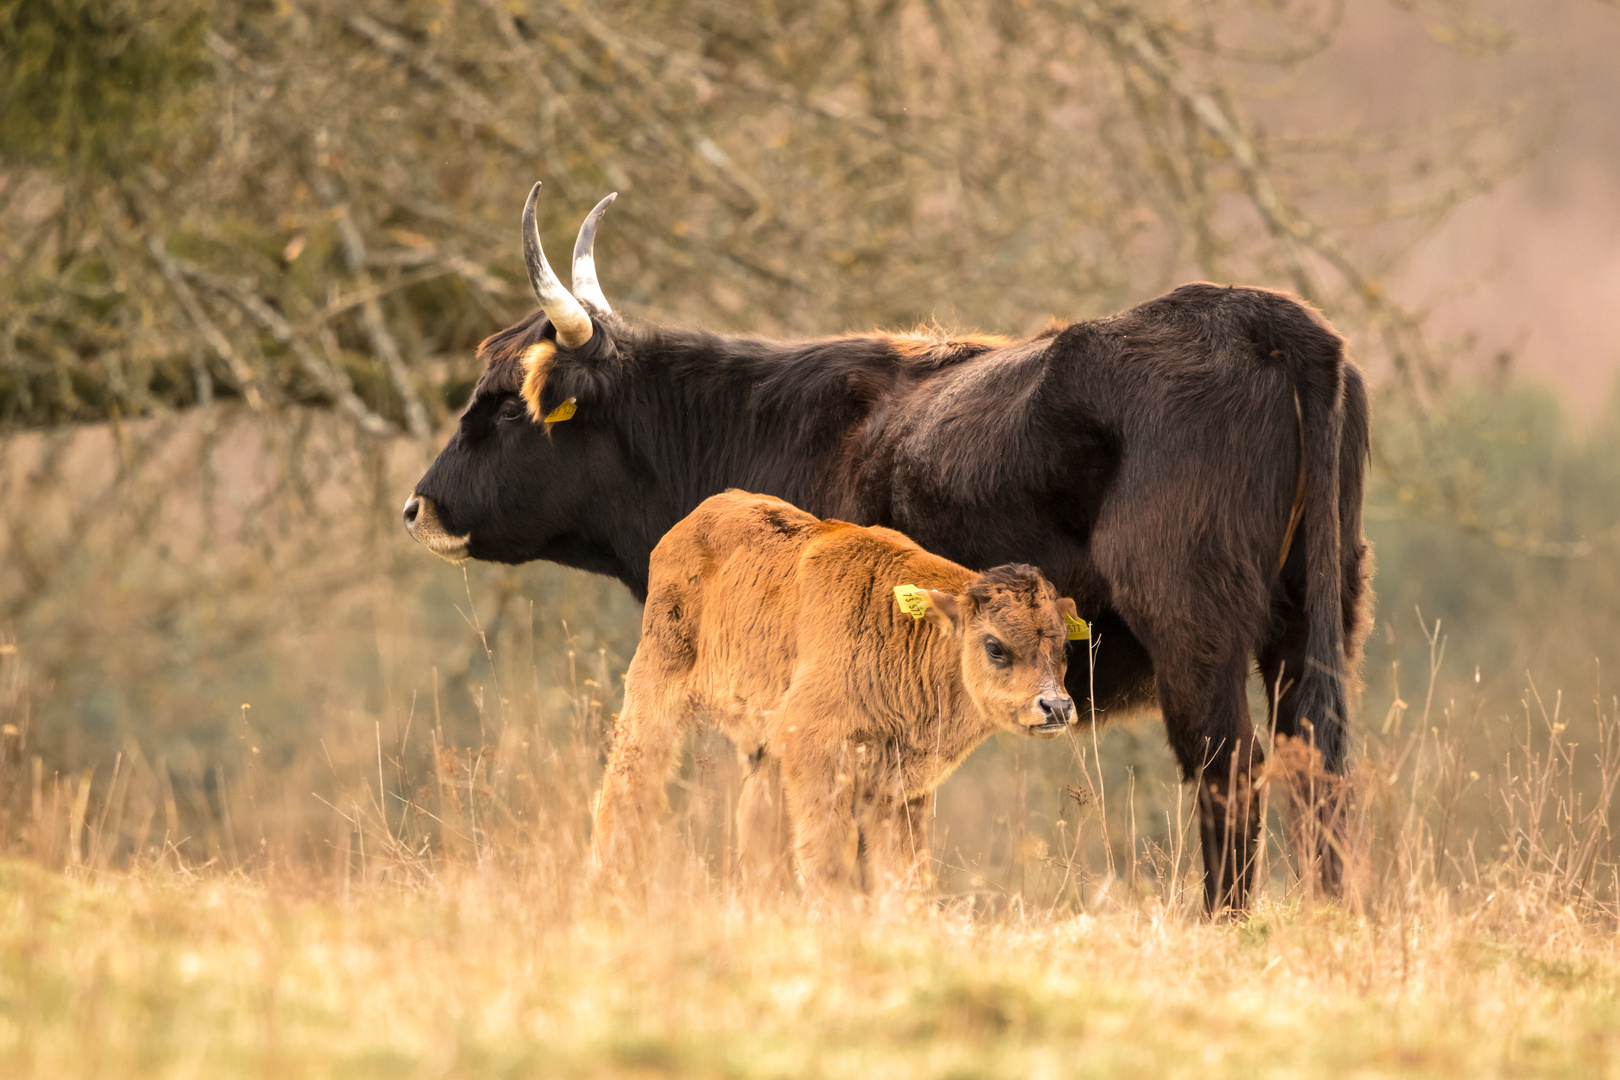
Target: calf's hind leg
[(632, 800), (764, 857)]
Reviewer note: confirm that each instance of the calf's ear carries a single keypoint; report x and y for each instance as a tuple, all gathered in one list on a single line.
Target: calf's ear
[(1066, 607), (943, 611)]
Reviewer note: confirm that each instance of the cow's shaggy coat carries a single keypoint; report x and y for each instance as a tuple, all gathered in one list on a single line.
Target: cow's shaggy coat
[(1148, 463)]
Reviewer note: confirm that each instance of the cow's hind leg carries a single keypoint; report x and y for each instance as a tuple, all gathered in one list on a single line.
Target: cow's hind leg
[(1200, 643), (1201, 675), (633, 801), (1206, 716), (1192, 588), (1312, 786)]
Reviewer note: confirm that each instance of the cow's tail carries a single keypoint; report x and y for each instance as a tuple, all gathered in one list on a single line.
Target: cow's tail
[(1333, 420)]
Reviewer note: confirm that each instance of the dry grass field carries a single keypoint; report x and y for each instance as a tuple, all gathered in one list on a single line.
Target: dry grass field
[(456, 933), (168, 974)]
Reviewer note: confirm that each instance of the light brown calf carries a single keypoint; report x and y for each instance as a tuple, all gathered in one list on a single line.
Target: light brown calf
[(783, 631)]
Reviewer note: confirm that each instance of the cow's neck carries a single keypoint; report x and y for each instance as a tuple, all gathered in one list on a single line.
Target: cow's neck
[(711, 413)]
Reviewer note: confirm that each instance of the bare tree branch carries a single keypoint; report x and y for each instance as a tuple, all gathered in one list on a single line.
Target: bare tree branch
[(387, 349), (246, 380), (331, 381)]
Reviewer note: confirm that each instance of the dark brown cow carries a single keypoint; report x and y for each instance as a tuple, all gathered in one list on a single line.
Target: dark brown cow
[(784, 632), (1153, 464)]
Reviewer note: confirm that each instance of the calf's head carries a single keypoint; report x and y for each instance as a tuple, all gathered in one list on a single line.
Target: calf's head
[(516, 481), (1009, 623)]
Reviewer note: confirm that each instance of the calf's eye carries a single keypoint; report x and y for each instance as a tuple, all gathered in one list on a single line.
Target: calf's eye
[(996, 652)]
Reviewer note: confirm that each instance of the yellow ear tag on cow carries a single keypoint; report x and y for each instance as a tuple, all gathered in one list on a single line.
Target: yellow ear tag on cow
[(1078, 630), (912, 600), (565, 411)]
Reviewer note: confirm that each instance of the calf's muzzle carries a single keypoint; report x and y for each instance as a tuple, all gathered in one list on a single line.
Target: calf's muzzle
[(1057, 711)]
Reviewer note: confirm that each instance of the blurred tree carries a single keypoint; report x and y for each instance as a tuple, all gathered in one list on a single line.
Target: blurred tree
[(314, 202), (90, 85)]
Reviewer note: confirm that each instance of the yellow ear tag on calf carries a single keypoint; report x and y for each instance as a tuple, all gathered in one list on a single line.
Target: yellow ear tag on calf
[(1078, 630), (912, 600), (565, 411)]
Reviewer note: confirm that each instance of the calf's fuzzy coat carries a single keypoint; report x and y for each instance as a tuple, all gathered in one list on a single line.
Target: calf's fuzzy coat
[(782, 630)]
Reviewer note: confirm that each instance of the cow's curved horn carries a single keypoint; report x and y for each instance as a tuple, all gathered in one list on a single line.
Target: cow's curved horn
[(571, 320), (586, 287)]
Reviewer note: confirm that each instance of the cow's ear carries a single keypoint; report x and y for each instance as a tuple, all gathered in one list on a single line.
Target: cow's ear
[(943, 611)]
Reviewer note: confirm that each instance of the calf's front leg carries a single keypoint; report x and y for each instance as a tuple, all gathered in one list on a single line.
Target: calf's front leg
[(820, 791), (895, 830)]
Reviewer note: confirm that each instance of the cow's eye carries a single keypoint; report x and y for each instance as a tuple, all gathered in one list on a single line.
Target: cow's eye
[(996, 652), (513, 409)]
